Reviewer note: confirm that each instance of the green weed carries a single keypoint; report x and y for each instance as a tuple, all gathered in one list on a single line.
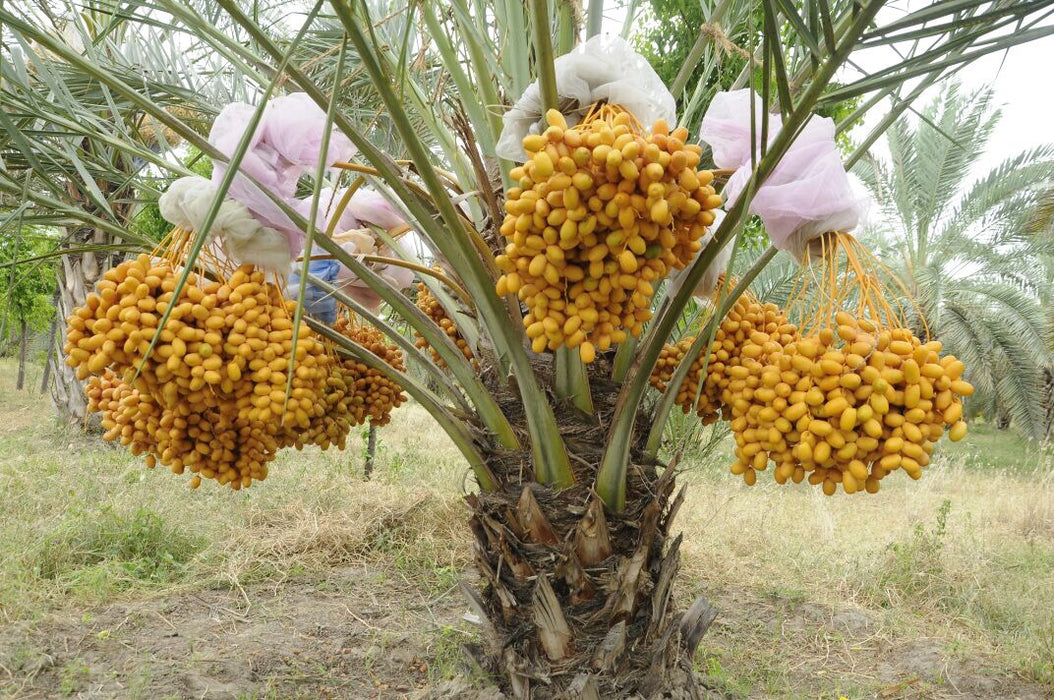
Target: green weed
[(448, 658), (106, 549), (915, 567), (791, 598), (446, 654), (73, 677), (1039, 665)]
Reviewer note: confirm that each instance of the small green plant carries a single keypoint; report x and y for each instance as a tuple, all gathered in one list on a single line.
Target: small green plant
[(446, 654), (1039, 666), (725, 681), (448, 658), (396, 463), (110, 549), (792, 598), (73, 676), (25, 658), (713, 667), (422, 567), (915, 567), (364, 433)]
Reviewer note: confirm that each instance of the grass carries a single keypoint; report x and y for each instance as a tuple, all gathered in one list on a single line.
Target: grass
[(74, 677), (963, 559), (816, 593), (98, 544), (991, 449), (84, 520)]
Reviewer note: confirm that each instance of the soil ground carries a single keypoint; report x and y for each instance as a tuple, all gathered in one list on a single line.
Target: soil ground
[(356, 634), (363, 632)]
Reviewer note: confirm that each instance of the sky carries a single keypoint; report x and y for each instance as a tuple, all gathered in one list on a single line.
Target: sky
[(1021, 83)]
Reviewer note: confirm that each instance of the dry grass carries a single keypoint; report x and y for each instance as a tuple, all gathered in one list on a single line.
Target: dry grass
[(817, 593)]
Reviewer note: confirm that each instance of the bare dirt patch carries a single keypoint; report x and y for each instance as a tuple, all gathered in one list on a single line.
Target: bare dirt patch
[(369, 632), (359, 633), (806, 649)]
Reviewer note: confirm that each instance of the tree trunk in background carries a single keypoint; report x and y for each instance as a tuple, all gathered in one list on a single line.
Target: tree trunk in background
[(77, 277), (23, 349), (49, 347), (580, 601), (1048, 403), (1002, 418), (371, 452)]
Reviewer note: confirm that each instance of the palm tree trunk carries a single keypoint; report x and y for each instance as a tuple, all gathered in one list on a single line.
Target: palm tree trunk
[(49, 348), (23, 349), (1048, 402), (579, 599), (77, 276), (1002, 418), (371, 452)]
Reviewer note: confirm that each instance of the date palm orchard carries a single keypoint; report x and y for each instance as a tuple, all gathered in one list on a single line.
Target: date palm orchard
[(574, 513)]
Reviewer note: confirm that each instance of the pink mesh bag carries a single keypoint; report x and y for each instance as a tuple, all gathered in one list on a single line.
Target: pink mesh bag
[(286, 144), (807, 194)]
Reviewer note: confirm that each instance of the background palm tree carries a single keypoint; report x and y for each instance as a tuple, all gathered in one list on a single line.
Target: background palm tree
[(573, 519), (84, 160), (1041, 223), (979, 273)]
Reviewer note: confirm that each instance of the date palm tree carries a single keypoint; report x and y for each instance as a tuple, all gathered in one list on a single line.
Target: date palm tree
[(977, 270), (573, 519)]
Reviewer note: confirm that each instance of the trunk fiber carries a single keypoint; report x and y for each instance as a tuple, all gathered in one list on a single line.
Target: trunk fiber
[(579, 600)]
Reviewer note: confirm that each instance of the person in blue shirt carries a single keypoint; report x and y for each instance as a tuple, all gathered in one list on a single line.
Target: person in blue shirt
[(317, 302)]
